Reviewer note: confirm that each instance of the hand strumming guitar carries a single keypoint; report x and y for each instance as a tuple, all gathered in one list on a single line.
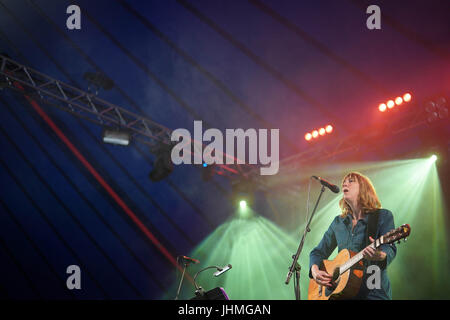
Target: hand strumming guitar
[(320, 276)]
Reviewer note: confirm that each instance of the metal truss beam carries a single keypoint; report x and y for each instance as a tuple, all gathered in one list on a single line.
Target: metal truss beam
[(82, 104), (92, 108)]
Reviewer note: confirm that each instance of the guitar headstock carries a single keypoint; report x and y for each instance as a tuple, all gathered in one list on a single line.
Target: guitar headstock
[(397, 234)]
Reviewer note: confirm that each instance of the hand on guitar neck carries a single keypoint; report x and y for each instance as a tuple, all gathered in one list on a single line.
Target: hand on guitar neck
[(373, 254)]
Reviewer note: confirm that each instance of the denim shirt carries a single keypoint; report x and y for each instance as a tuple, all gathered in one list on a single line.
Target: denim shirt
[(340, 234)]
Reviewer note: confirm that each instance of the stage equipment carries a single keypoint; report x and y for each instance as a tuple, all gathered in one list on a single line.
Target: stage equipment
[(200, 292), (334, 188), (407, 97), (90, 107), (308, 136), (214, 294), (316, 133), (98, 81), (436, 109), (116, 136), (163, 165), (242, 191), (391, 103), (358, 141), (398, 101), (186, 261), (295, 267)]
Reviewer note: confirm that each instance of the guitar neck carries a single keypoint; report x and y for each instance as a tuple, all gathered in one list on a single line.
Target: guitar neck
[(355, 259), (401, 232)]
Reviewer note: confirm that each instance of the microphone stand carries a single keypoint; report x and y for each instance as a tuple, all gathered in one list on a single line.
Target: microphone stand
[(295, 266), (186, 263)]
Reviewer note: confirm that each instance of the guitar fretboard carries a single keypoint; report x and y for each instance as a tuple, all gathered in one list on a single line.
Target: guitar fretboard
[(358, 257)]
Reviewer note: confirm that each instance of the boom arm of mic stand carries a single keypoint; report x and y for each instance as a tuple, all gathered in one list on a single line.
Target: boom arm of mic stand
[(300, 247)]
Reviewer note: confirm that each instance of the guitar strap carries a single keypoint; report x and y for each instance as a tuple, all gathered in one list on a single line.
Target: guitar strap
[(372, 226)]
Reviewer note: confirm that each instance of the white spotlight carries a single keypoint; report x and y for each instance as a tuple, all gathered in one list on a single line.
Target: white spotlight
[(116, 136)]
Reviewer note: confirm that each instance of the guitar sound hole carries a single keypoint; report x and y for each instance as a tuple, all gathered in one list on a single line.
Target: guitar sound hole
[(336, 274), (329, 291), (335, 282)]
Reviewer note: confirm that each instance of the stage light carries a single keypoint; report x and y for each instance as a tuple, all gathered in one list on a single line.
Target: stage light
[(382, 107), (308, 136), (436, 109), (441, 102), (98, 81), (390, 104), (441, 105), (433, 158), (116, 136), (163, 165), (318, 132), (430, 107), (242, 195), (433, 116)]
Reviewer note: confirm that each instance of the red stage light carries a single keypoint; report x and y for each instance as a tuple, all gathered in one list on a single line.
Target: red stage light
[(407, 97), (382, 107), (315, 133), (308, 136), (322, 131), (390, 104), (398, 101), (329, 128)]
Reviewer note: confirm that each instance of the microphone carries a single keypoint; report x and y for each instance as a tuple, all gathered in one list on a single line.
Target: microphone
[(187, 259), (222, 270), (327, 184)]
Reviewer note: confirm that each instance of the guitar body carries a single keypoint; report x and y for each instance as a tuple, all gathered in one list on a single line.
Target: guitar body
[(346, 285)]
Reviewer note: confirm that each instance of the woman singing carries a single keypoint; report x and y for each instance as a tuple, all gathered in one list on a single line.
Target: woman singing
[(348, 231)]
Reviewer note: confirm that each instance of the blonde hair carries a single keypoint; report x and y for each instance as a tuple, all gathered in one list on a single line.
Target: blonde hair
[(367, 198)]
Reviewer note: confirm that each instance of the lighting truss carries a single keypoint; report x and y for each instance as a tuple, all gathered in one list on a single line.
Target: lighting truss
[(80, 103), (92, 108)]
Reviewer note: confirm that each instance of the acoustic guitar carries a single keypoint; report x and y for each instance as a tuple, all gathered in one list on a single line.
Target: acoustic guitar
[(347, 269)]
